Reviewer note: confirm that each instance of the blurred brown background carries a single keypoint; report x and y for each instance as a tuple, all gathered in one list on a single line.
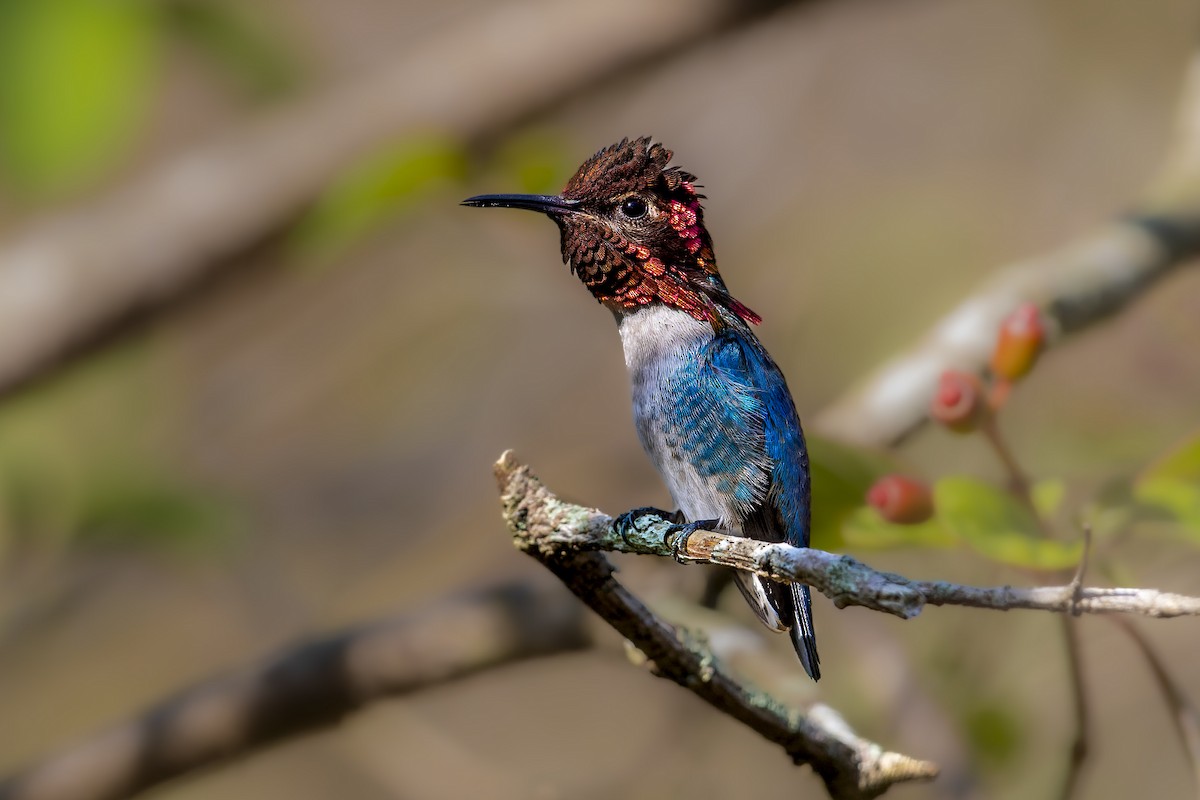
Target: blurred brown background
[(306, 442)]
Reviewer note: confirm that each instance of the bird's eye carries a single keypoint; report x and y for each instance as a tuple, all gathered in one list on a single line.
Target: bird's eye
[(634, 207)]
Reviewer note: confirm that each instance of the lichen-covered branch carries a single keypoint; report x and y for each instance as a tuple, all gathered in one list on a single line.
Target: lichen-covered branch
[(1076, 286), (851, 766), (307, 687), (550, 526)]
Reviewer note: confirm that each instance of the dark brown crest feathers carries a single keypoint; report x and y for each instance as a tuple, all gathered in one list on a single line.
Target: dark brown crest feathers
[(626, 167)]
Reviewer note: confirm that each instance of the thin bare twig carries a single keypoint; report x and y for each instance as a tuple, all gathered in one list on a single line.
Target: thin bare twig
[(1018, 481), (1076, 584), (1080, 744), (307, 687), (1020, 486), (1184, 713), (851, 766)]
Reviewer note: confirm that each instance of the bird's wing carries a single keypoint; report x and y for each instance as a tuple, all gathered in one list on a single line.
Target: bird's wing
[(751, 420), (720, 427), (784, 513)]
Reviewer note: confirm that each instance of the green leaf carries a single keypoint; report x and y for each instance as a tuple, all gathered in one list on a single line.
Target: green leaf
[(378, 189), (1180, 463), (996, 525), (841, 475), (76, 78), (1048, 496), (1179, 498), (864, 527), (1172, 485), (1113, 510)]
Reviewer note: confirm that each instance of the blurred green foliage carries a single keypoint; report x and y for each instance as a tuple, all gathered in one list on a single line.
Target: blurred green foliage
[(240, 40), (396, 179), (991, 521), (1172, 485), (1048, 496), (76, 78), (81, 464), (841, 475), (378, 188), (993, 732), (79, 77), (47, 508), (997, 525), (535, 162), (144, 507), (865, 528)]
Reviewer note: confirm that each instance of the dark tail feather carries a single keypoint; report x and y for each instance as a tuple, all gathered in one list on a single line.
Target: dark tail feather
[(804, 638)]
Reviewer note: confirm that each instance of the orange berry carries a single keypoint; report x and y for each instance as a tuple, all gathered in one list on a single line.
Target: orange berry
[(1022, 334)]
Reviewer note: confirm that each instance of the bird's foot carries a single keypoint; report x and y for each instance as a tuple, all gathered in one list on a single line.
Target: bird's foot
[(636, 522), (677, 536), (632, 525)]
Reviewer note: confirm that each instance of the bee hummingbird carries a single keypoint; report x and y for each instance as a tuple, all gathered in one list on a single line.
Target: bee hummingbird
[(712, 409)]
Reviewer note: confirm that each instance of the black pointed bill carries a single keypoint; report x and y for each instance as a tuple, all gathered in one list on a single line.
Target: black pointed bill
[(545, 203)]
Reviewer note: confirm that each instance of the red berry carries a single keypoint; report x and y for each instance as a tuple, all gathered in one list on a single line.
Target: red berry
[(949, 393), (959, 401), (901, 499)]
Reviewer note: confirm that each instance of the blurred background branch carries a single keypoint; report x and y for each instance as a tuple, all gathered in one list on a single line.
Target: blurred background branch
[(68, 279), (309, 686), (1077, 286)]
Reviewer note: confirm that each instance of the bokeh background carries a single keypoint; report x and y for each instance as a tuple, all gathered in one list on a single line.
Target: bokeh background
[(306, 441)]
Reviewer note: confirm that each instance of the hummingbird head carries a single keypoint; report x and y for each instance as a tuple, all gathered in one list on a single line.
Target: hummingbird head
[(632, 229)]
